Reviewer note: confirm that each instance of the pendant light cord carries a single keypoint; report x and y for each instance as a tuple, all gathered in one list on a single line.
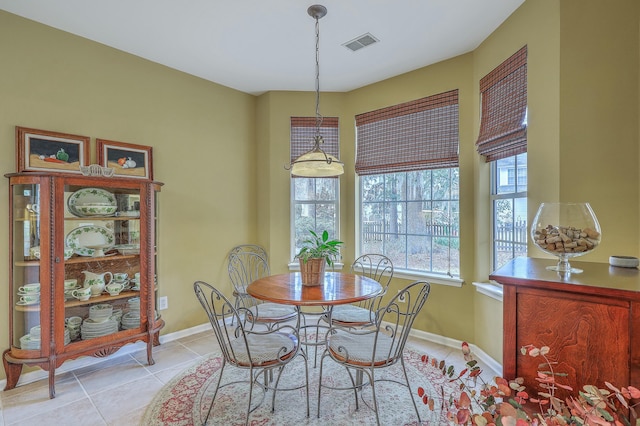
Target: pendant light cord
[(318, 116)]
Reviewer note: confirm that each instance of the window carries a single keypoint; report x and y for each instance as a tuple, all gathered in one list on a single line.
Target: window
[(314, 206), (314, 201), (407, 160), (412, 217), (503, 143), (509, 208)]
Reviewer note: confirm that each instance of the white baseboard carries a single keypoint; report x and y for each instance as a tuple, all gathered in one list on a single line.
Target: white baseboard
[(34, 376), (480, 355)]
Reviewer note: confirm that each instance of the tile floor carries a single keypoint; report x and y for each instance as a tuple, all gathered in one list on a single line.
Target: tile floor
[(116, 391)]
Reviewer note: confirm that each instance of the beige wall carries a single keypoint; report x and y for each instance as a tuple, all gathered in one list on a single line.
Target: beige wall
[(221, 152), (202, 136)]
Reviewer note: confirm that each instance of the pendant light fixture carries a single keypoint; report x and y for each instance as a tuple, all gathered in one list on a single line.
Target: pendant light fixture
[(316, 162)]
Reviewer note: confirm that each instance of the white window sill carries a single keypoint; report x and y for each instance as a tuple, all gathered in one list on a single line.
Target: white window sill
[(295, 266), (430, 278), (491, 290)]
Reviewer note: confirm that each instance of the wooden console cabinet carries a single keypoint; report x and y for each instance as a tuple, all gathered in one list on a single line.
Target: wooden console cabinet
[(110, 225), (590, 320)]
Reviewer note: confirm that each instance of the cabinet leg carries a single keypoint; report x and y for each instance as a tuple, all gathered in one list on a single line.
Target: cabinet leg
[(156, 338), (150, 360), (52, 382), (11, 370)]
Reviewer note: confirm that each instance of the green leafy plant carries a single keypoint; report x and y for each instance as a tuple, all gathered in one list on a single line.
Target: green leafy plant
[(506, 402), (317, 247)]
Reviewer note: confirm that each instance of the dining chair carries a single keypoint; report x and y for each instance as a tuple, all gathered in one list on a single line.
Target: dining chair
[(378, 267), (244, 268), (239, 251), (375, 266), (364, 351), (258, 352)]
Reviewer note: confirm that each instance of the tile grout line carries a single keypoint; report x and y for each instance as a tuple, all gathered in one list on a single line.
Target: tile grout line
[(88, 396)]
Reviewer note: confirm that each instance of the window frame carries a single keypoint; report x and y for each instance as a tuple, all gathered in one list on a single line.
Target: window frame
[(516, 194), (293, 264), (401, 272)]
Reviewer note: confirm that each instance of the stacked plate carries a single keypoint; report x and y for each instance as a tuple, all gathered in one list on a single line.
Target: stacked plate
[(100, 313), (117, 316), (91, 329), (131, 319), (31, 341)]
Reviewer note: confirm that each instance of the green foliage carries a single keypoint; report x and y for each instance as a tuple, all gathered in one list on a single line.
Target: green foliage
[(316, 247)]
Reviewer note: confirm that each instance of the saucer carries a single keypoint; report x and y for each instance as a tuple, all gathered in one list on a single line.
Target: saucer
[(22, 293), (21, 303)]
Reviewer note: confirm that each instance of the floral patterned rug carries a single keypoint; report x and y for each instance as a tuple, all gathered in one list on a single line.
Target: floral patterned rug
[(186, 398)]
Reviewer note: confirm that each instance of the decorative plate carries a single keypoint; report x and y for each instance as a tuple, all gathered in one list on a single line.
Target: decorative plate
[(93, 197), (95, 210), (84, 240)]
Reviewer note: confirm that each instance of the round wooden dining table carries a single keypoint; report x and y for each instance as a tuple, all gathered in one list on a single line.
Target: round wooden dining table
[(337, 288)]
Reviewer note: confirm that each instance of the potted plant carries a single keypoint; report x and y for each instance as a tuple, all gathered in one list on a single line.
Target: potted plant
[(316, 252)]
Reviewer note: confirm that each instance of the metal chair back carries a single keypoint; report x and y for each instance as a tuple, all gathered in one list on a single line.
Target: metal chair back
[(378, 267), (244, 268)]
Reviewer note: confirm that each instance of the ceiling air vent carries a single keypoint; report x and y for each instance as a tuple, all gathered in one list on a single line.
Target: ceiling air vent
[(360, 42)]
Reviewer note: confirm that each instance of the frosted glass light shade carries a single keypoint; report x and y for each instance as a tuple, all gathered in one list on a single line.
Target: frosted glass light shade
[(315, 164)]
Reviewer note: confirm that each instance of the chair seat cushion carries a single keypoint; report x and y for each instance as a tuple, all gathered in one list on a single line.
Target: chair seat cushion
[(350, 314), (270, 312), (265, 349), (357, 349)]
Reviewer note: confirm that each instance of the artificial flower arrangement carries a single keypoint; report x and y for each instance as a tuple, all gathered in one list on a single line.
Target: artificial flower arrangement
[(509, 403)]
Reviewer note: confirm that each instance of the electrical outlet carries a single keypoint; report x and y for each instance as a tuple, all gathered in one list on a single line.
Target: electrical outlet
[(401, 299), (163, 303)]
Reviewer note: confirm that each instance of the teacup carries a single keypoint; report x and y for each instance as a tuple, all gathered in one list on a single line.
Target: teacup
[(35, 331), (73, 321), (70, 284), (114, 289), (30, 298), (82, 293), (136, 276), (32, 288), (120, 276), (35, 252)]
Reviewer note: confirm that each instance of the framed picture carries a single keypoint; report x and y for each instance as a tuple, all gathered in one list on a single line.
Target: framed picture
[(126, 159), (38, 150)]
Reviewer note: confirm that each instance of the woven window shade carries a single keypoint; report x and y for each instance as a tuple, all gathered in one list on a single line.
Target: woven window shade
[(416, 135), (303, 129), (503, 127)]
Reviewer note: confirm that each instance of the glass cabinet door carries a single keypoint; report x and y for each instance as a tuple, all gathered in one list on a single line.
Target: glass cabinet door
[(102, 283), (26, 290)]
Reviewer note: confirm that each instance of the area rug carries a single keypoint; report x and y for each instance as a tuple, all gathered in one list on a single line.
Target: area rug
[(184, 401)]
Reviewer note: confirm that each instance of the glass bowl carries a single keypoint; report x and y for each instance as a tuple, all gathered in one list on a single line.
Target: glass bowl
[(565, 230)]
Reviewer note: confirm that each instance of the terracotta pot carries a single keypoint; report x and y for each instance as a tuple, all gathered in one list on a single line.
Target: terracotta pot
[(312, 271)]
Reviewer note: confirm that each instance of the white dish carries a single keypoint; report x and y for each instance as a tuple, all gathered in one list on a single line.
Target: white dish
[(128, 248), (86, 240), (95, 210), (90, 196), (20, 303), (130, 213), (22, 293)]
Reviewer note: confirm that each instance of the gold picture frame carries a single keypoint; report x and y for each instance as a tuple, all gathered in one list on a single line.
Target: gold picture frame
[(44, 150), (127, 159)]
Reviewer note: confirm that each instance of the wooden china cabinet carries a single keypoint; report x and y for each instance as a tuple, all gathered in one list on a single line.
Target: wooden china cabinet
[(590, 321), (111, 225)]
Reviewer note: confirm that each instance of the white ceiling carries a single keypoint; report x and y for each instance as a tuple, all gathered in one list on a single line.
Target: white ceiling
[(257, 46)]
